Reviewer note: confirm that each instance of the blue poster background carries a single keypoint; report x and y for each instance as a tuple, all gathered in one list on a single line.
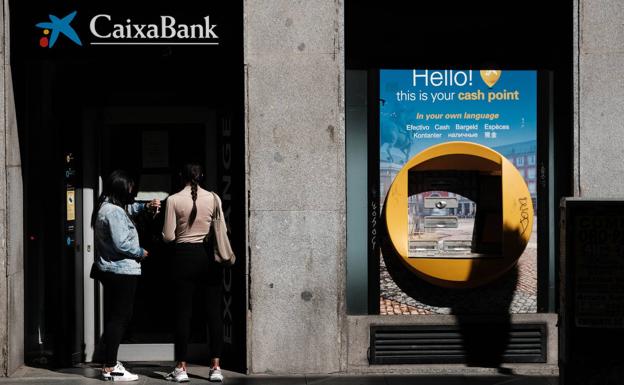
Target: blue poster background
[(418, 112), (409, 124)]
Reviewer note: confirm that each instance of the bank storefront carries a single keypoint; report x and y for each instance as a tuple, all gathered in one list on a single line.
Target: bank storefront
[(144, 89), (390, 176)]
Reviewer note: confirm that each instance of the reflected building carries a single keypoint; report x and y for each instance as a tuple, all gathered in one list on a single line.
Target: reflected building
[(523, 156)]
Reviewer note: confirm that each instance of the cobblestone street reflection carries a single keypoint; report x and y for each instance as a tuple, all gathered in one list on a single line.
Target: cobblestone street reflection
[(393, 301)]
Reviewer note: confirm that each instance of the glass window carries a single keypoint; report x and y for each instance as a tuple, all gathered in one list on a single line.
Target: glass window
[(357, 192), (531, 160), (531, 173), (520, 161)]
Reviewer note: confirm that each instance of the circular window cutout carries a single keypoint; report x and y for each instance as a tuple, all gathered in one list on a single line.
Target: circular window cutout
[(458, 214)]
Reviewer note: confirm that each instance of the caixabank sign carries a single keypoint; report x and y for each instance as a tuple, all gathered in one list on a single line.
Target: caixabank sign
[(75, 29), (104, 30), (458, 184)]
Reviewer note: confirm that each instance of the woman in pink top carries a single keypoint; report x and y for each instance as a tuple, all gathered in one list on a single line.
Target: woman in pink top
[(187, 221)]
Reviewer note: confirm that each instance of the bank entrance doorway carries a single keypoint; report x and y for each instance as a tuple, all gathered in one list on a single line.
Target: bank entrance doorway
[(84, 111), (153, 142)]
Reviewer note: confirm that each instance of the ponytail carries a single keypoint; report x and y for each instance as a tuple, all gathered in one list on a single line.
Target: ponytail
[(192, 174), (194, 209)]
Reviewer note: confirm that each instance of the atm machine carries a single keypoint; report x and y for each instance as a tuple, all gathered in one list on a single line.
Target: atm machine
[(443, 247)]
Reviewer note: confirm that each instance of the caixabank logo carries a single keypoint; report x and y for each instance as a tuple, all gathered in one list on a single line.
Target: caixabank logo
[(105, 29), (55, 27)]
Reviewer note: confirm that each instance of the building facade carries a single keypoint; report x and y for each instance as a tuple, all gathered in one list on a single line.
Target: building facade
[(305, 296)]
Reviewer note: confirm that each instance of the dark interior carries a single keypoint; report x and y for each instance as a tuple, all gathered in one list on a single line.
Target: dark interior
[(62, 95)]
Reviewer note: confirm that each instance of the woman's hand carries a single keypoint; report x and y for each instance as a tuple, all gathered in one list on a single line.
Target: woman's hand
[(153, 206), (145, 255)]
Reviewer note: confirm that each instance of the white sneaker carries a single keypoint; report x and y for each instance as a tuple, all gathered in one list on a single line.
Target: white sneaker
[(215, 374), (178, 375), (119, 373)]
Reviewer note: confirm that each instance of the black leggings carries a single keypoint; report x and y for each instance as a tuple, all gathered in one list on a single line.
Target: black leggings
[(194, 269), (119, 291)]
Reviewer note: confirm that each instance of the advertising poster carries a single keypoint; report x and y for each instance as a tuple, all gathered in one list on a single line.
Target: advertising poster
[(421, 108)]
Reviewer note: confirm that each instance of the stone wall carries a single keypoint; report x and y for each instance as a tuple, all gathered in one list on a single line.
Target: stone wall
[(11, 220), (296, 184), (599, 99)]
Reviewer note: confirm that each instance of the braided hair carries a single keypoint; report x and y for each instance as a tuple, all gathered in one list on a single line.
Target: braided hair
[(192, 174)]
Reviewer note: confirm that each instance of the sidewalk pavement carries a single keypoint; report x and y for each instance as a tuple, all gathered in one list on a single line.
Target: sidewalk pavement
[(154, 373)]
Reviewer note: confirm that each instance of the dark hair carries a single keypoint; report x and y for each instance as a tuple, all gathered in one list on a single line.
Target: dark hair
[(192, 173), (117, 190)]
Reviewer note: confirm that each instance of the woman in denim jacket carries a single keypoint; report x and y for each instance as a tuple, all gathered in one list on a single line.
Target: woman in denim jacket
[(118, 258)]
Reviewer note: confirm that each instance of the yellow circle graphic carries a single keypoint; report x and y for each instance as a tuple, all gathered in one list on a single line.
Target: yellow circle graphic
[(46, 31), (516, 215)]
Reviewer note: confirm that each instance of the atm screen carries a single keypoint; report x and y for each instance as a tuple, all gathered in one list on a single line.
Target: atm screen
[(453, 214)]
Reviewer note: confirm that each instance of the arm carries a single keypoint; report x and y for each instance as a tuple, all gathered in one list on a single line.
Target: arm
[(125, 241), (220, 212), (135, 208), (170, 221)]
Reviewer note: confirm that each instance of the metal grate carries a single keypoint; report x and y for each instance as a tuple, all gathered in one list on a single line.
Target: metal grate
[(431, 344)]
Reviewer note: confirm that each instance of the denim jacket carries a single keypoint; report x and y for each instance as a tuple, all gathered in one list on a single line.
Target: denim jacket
[(117, 240)]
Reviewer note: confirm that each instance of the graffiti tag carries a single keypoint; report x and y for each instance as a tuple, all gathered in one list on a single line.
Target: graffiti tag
[(373, 225), (524, 214)]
